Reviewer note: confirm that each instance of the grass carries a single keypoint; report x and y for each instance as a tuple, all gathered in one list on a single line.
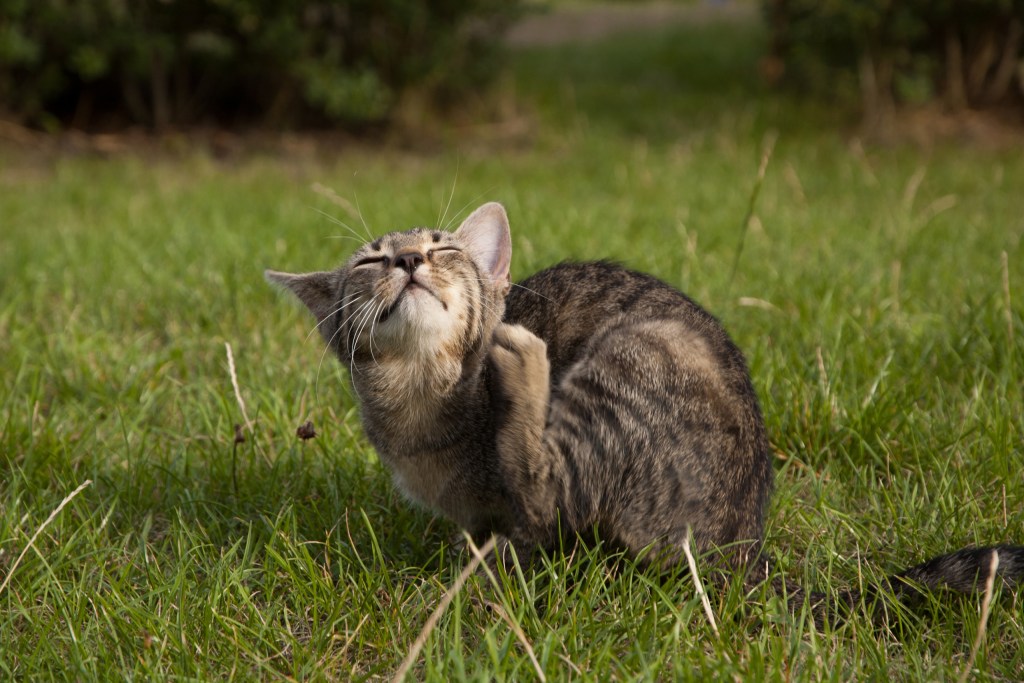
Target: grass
[(868, 296)]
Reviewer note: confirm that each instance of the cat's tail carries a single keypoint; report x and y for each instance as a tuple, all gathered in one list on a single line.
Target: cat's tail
[(964, 571)]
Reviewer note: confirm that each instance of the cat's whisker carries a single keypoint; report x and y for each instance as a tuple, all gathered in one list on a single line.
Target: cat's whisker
[(320, 364), (361, 325), (330, 343), (481, 349), (337, 221), (373, 325), (376, 318), (344, 304), (352, 372), (346, 237), (515, 284), (440, 218), (490, 309), (363, 322), (352, 368), (482, 301), (472, 201), (369, 233), (359, 310), (532, 291), (362, 306)]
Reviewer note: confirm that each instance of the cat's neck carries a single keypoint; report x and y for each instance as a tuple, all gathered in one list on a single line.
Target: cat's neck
[(424, 419), (408, 398)]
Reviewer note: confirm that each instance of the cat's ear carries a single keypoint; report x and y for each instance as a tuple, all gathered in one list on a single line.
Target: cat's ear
[(486, 235), (318, 290)]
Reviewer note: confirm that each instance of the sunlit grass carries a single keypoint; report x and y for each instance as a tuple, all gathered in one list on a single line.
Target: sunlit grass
[(869, 298)]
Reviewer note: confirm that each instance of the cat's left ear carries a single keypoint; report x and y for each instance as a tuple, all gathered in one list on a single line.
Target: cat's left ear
[(317, 290), (486, 235)]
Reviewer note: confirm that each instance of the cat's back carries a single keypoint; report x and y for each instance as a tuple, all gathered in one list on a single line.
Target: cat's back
[(569, 304)]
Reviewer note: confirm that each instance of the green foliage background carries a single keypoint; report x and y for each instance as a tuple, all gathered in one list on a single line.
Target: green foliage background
[(163, 62), (965, 52)]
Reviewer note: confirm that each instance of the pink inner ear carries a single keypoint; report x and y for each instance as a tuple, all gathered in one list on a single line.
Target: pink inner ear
[(486, 235)]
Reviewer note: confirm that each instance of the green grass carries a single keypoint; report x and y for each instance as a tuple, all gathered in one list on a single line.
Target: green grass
[(868, 297)]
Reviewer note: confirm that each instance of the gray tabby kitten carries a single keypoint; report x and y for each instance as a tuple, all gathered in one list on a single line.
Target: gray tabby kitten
[(590, 398)]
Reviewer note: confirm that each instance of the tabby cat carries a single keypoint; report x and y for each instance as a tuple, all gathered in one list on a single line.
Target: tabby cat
[(587, 398)]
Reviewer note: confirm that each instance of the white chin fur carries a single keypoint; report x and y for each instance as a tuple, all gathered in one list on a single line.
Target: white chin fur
[(419, 322)]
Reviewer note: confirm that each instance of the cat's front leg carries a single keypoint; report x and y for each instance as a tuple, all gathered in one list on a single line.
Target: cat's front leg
[(524, 377), (533, 473)]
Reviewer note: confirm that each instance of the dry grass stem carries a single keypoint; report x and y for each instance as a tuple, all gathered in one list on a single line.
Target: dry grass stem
[(1006, 297), (696, 582), (986, 607), (449, 595), (478, 554), (823, 376), (911, 188), (857, 150), (1005, 521), (896, 269), (234, 383), (768, 143), (797, 187), (31, 541), (348, 641), (754, 302), (500, 611), (767, 148), (336, 199), (940, 205)]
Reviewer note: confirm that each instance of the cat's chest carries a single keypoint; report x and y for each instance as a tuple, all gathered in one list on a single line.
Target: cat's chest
[(441, 463), (421, 470), (423, 480)]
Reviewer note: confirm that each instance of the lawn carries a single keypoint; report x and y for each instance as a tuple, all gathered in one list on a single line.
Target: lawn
[(876, 291)]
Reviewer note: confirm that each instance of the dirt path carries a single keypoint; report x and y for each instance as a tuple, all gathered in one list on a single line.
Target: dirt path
[(590, 21)]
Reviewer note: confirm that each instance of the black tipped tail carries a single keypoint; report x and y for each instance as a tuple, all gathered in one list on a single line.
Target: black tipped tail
[(963, 571)]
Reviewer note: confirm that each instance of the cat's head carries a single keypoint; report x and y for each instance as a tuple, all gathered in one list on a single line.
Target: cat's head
[(413, 293)]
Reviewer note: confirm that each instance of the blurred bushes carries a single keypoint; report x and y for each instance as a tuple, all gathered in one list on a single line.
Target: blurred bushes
[(968, 53), (90, 63)]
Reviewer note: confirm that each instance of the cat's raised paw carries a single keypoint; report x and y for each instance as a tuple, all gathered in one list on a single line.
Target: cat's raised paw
[(520, 341), (518, 352), (521, 360)]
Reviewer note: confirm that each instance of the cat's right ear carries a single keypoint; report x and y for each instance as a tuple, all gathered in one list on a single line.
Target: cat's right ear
[(317, 290), (485, 233)]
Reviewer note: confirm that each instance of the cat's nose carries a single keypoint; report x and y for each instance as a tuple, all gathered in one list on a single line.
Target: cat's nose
[(409, 261)]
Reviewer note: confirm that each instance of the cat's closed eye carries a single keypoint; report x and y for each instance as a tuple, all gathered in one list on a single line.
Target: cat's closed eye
[(431, 252), (369, 261)]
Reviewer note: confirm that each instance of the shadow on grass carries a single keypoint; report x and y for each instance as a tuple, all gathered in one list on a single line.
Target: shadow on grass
[(332, 496), (322, 493)]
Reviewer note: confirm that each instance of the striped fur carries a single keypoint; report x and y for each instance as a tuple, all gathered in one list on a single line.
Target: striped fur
[(587, 398)]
